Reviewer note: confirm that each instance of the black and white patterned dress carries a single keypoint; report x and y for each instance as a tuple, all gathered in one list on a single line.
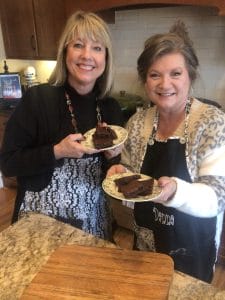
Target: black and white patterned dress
[(74, 196)]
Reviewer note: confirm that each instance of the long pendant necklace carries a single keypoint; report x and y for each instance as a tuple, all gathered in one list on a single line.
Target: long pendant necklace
[(71, 110), (183, 139)]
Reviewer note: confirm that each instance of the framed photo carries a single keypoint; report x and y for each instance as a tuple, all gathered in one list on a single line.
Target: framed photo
[(10, 86)]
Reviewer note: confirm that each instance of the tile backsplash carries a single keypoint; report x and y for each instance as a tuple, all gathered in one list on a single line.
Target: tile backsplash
[(133, 27), (206, 29)]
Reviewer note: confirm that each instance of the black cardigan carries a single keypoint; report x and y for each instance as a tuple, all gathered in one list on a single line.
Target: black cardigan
[(41, 120)]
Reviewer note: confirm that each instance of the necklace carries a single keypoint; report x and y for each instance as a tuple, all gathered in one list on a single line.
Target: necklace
[(183, 139), (71, 110)]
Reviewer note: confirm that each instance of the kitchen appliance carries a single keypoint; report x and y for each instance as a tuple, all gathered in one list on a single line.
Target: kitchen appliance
[(30, 76)]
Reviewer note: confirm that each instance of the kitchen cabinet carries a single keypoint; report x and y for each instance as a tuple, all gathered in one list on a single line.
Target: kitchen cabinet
[(100, 5), (31, 28)]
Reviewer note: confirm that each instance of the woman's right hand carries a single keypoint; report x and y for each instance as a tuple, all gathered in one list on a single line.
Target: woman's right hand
[(116, 169), (70, 146)]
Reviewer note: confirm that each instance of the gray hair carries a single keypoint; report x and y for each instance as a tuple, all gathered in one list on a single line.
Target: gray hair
[(176, 41)]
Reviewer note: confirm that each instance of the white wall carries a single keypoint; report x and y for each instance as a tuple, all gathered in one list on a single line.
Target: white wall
[(133, 27), (206, 29)]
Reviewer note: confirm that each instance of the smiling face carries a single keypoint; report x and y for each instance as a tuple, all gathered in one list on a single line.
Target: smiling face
[(168, 83), (85, 61)]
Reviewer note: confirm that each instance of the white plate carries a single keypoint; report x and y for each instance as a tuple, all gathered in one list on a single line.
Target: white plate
[(111, 189), (121, 137)]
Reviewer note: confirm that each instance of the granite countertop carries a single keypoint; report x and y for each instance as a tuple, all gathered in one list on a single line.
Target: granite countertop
[(27, 245)]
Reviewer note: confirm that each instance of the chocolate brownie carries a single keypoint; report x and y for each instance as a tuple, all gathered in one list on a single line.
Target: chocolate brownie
[(103, 137), (134, 188), (126, 179)]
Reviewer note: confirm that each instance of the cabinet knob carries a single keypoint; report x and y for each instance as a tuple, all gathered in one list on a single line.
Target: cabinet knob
[(33, 42)]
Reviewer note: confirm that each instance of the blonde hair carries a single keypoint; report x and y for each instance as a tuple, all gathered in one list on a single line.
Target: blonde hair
[(85, 25)]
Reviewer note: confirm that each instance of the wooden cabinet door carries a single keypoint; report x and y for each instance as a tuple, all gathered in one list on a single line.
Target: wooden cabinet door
[(31, 28), (50, 20), (18, 28)]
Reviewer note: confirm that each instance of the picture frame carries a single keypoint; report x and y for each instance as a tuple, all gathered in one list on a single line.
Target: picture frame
[(10, 86)]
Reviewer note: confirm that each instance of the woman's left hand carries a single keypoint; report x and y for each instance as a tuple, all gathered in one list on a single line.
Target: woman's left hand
[(169, 187), (115, 169)]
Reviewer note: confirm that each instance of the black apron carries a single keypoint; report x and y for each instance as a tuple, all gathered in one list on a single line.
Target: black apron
[(189, 240)]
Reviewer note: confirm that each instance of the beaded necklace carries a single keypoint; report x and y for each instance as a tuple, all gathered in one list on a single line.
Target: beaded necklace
[(183, 139), (71, 110)]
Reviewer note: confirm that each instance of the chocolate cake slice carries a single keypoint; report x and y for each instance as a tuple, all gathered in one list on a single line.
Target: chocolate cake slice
[(146, 187), (103, 137), (101, 143), (135, 188), (120, 182)]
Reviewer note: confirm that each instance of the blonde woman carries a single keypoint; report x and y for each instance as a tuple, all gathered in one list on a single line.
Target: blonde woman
[(56, 174)]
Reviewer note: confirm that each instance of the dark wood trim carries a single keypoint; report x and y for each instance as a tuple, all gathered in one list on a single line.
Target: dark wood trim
[(100, 5)]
